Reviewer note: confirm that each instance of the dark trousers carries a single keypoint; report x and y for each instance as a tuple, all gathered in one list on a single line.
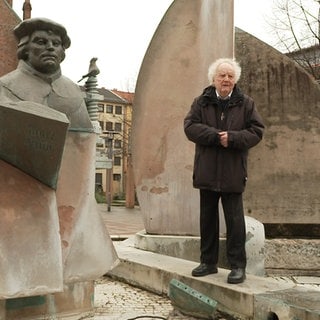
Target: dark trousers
[(209, 227)]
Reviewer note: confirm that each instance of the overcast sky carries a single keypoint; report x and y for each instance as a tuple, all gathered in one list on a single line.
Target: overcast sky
[(118, 32)]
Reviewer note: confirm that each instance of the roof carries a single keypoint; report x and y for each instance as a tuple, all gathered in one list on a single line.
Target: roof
[(129, 96), (109, 96), (313, 49)]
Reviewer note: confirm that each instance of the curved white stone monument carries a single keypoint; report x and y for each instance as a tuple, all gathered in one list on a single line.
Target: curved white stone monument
[(174, 71)]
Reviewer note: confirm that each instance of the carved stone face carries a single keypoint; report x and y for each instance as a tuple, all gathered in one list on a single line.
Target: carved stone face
[(45, 51)]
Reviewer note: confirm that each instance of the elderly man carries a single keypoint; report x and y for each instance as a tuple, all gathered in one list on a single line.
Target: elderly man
[(86, 255), (223, 123)]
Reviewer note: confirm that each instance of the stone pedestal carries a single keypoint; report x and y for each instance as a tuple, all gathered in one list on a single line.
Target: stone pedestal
[(53, 243)]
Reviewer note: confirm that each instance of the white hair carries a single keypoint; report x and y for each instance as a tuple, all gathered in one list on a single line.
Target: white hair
[(212, 71)]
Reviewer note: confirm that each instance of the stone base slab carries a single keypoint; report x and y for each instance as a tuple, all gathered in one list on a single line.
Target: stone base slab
[(286, 257), (300, 257), (154, 272)]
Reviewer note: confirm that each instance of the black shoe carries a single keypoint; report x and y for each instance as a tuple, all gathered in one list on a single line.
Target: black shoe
[(236, 276), (204, 269)]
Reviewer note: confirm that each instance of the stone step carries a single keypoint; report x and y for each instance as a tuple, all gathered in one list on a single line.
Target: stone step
[(249, 300)]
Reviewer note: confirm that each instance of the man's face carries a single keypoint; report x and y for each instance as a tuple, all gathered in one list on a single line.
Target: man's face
[(224, 80), (45, 51)]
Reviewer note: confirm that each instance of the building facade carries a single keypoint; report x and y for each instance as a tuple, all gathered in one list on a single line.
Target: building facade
[(114, 117), (309, 59), (128, 179), (8, 45)]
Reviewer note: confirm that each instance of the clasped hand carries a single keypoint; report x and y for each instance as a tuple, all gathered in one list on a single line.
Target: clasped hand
[(223, 138)]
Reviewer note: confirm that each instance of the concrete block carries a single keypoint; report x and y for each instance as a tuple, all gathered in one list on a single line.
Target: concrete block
[(184, 247)]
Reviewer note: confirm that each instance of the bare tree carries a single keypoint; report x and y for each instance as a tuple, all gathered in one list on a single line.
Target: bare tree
[(295, 24)]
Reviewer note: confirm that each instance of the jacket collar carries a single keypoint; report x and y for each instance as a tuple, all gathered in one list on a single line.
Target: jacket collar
[(209, 95)]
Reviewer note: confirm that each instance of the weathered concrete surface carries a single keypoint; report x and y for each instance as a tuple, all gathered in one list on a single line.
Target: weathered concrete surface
[(173, 72), (154, 272), (284, 175), (31, 261), (283, 257), (75, 302), (188, 247), (294, 303), (86, 255), (57, 238), (293, 256)]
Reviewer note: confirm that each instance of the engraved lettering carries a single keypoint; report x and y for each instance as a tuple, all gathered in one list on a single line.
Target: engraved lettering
[(40, 139)]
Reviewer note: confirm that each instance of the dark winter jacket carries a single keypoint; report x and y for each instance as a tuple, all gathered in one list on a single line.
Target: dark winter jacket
[(215, 167)]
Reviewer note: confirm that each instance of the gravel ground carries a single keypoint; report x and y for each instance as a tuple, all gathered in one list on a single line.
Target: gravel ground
[(116, 300)]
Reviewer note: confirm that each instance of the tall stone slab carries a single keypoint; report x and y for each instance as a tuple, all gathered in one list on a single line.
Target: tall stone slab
[(284, 171), (173, 72)]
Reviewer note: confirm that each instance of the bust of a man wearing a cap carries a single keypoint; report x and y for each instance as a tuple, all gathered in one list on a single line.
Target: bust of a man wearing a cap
[(38, 79), (41, 49)]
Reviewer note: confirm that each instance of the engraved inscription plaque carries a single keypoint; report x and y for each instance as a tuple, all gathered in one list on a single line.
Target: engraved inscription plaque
[(32, 138)]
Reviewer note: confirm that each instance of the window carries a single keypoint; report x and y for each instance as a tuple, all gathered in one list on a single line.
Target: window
[(100, 143), (99, 187), (117, 143), (101, 123), (109, 126), (118, 110), (100, 107), (117, 177), (117, 127), (109, 108), (117, 161), (99, 178)]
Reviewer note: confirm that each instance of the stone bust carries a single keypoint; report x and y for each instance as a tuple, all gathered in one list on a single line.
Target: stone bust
[(41, 49)]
